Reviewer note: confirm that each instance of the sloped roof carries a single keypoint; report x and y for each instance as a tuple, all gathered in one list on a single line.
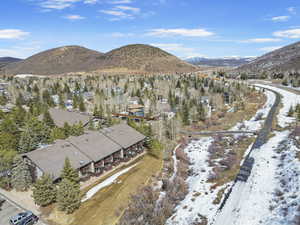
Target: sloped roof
[(51, 158), (123, 135), (95, 145), (61, 116)]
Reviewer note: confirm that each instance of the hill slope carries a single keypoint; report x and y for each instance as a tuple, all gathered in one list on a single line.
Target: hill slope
[(283, 59), (142, 58), (56, 61), (6, 60), (145, 58), (219, 62)]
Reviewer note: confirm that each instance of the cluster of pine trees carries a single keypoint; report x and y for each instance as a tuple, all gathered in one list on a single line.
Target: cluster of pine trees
[(22, 131), (66, 194)]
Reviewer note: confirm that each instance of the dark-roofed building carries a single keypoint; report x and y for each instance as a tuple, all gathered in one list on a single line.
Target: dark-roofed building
[(100, 149), (91, 153), (61, 116), (131, 140), (51, 159)]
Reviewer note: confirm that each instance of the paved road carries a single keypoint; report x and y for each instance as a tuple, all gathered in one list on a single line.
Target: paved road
[(9, 209), (238, 186)]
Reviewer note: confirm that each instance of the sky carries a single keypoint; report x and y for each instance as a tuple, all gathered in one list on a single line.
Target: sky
[(185, 28)]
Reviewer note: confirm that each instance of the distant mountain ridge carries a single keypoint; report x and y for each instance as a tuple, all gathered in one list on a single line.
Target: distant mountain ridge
[(6, 60), (68, 59), (281, 60), (220, 62)]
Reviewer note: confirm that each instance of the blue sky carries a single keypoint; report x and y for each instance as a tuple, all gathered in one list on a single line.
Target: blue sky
[(185, 28)]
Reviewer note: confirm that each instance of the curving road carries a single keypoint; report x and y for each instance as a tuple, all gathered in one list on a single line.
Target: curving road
[(229, 205)]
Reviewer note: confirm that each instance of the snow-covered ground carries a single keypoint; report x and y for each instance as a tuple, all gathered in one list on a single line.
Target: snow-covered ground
[(255, 123), (105, 183), (288, 99), (272, 194), (199, 201)]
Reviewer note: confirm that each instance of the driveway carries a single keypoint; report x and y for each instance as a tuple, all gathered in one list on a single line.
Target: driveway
[(7, 210)]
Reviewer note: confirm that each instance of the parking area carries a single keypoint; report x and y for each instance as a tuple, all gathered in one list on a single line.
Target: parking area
[(8, 210)]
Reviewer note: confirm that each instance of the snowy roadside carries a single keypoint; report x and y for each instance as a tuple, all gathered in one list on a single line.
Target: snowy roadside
[(198, 204), (272, 194), (289, 100)]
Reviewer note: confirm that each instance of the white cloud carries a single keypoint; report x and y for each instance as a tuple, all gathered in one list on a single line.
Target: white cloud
[(57, 4), (280, 18), (90, 1), (122, 12), (270, 48), (291, 10), (291, 33), (74, 17), (19, 51), (261, 40), (62, 4), (178, 49), (180, 32), (128, 8), (120, 2), (116, 13), (13, 34)]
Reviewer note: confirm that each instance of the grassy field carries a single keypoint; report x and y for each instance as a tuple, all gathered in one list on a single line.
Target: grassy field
[(105, 207)]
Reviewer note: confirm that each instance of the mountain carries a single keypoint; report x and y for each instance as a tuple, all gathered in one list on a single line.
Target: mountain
[(283, 59), (56, 61), (137, 58), (145, 58), (6, 60), (219, 62)]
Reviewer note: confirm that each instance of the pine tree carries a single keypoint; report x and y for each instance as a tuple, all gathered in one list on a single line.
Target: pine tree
[(20, 178), (67, 129), (57, 133), (81, 105), (27, 142), (69, 173), (68, 196), (47, 119), (44, 191)]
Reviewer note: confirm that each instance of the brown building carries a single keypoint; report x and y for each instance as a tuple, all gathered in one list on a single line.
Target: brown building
[(91, 153)]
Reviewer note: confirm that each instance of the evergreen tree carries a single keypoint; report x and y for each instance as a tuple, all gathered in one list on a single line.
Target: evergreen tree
[(48, 119), (44, 191), (68, 196), (27, 142), (69, 173), (67, 129), (81, 105), (20, 178), (57, 133)]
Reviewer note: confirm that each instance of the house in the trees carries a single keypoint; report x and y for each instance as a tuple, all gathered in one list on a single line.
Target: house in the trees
[(91, 153), (136, 110), (60, 117)]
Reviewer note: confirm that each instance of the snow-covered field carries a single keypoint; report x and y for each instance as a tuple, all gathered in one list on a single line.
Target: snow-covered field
[(272, 194), (105, 183), (258, 192), (199, 199)]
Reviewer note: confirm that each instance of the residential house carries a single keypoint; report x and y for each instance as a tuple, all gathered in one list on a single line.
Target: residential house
[(91, 153)]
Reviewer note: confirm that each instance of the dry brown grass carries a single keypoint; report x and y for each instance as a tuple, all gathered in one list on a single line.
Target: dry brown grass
[(229, 175), (103, 207)]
